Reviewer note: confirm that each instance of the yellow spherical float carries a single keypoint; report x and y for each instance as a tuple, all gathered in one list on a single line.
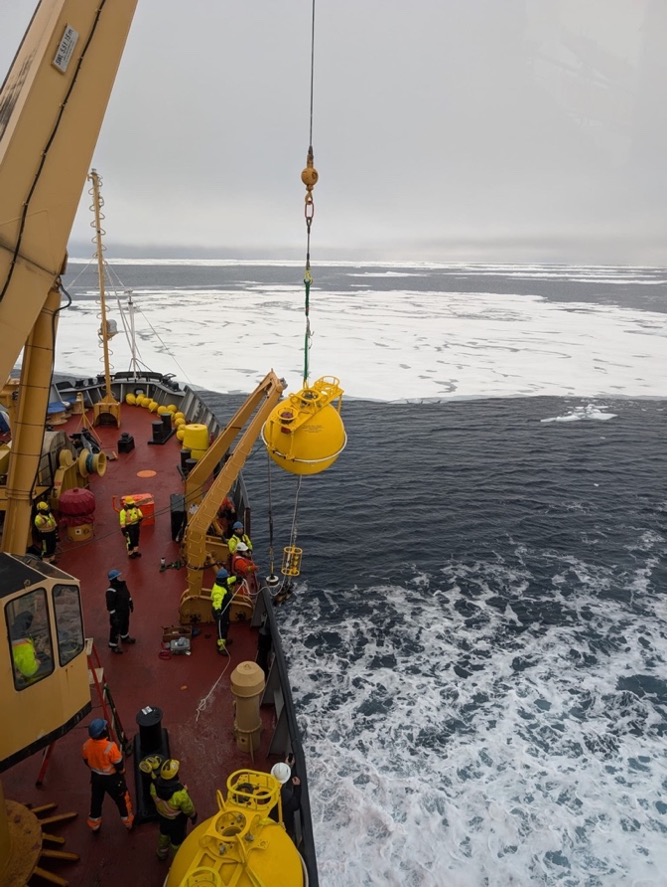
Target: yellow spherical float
[(130, 399), (240, 845), (145, 401), (153, 406), (172, 408), (304, 434), (180, 434)]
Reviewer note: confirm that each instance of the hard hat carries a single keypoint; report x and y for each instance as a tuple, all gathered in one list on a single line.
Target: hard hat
[(129, 503), (169, 769), (242, 547), (42, 506), (238, 525), (222, 575), (113, 574), (97, 729), (150, 765), (281, 772)]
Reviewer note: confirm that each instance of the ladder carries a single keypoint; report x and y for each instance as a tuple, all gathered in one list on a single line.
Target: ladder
[(104, 702), (97, 679)]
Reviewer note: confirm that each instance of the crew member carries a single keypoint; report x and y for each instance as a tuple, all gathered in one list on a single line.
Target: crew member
[(104, 758), (227, 516), (222, 595), (239, 535), (119, 605), (290, 793), (174, 805), (244, 567), (130, 518), (26, 661), (46, 527)]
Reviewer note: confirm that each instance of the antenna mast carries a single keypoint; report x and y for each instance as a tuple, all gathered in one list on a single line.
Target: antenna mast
[(107, 409)]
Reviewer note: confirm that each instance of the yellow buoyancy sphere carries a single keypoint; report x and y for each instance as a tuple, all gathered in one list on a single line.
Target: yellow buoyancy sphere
[(130, 399), (180, 434), (171, 407), (239, 845), (304, 434), (153, 406), (145, 401)]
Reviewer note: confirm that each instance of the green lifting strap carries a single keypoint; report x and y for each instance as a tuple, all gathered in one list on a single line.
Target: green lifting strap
[(307, 281)]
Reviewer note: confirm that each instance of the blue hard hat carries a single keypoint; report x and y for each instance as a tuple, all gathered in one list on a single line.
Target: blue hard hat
[(238, 525), (222, 575), (112, 574), (97, 728)]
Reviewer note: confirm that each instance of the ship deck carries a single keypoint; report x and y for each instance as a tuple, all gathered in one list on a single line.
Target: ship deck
[(193, 691)]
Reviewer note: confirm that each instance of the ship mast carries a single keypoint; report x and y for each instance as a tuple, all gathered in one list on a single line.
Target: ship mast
[(107, 409)]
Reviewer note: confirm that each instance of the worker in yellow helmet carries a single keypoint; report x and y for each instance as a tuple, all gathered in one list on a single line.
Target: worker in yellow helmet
[(46, 529), (130, 518), (174, 805)]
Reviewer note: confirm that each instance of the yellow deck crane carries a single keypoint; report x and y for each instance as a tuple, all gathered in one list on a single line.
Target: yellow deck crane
[(51, 108)]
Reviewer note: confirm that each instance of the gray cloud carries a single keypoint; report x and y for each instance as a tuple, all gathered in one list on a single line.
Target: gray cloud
[(443, 129)]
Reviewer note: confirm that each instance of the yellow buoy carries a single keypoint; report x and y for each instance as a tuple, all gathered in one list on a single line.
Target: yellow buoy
[(153, 406), (241, 845), (130, 399), (196, 436), (304, 434), (180, 434), (171, 407)]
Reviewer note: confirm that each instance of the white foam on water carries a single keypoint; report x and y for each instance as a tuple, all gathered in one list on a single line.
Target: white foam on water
[(525, 772)]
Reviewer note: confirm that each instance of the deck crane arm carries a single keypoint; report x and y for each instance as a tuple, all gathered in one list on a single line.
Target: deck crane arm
[(201, 506), (52, 105)]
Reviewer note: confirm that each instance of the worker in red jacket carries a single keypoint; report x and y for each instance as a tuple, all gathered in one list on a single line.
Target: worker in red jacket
[(244, 567), (106, 762)]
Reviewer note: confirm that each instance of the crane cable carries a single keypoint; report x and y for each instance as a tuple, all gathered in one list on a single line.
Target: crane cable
[(309, 177)]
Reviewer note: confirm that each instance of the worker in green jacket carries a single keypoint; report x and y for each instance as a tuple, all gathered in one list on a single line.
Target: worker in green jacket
[(174, 805), (239, 535), (26, 662), (221, 595)]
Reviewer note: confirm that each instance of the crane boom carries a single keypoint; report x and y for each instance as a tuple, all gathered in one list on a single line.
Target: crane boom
[(51, 109), (52, 105)]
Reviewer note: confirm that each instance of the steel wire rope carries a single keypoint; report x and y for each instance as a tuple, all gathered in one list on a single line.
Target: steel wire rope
[(309, 178)]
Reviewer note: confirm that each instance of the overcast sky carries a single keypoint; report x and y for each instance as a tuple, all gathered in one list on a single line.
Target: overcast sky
[(494, 130)]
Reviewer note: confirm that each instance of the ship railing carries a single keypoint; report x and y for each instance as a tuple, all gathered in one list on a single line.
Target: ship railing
[(286, 736)]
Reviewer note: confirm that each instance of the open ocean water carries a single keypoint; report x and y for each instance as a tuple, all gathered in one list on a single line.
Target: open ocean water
[(477, 643)]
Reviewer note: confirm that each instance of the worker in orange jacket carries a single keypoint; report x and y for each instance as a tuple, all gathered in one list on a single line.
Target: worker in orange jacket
[(244, 567), (106, 762)]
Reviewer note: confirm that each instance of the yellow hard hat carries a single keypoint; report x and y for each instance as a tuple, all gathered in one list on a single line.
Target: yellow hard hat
[(42, 506), (130, 503), (150, 765), (169, 769)]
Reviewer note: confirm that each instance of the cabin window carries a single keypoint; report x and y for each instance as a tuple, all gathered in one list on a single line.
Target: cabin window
[(68, 614), (30, 637)]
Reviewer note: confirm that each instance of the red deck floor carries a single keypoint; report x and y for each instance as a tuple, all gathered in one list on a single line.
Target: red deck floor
[(193, 691)]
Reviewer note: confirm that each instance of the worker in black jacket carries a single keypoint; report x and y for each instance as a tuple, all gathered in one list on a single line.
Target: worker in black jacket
[(120, 607)]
